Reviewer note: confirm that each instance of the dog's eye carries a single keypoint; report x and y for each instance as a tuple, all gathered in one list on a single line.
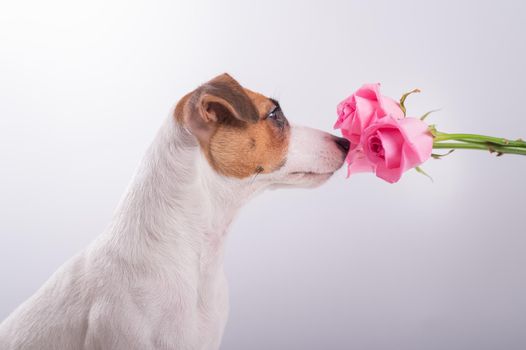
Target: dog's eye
[(274, 114), (277, 118)]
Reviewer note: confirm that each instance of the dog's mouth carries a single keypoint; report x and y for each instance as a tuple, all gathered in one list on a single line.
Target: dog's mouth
[(307, 179), (311, 173)]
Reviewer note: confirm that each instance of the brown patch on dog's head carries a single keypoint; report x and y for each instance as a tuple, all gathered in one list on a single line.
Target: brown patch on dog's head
[(241, 132)]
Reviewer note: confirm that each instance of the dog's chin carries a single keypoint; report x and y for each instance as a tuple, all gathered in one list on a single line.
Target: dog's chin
[(303, 179)]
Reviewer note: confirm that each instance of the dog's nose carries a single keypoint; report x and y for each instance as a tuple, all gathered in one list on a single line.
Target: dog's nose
[(343, 144)]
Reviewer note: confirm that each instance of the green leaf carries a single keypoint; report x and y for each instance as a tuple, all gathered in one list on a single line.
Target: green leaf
[(404, 96), (428, 113), (421, 171), (432, 130), (440, 156)]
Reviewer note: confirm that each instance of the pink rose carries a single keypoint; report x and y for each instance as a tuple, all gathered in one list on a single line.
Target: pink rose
[(362, 108), (391, 146)]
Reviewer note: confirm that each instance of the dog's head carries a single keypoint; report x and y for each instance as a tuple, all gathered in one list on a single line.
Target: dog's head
[(245, 135)]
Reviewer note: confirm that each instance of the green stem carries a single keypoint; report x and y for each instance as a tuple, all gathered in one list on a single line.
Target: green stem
[(479, 146), (479, 138)]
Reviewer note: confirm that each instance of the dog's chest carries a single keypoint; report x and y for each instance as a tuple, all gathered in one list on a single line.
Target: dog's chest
[(191, 316), (163, 314)]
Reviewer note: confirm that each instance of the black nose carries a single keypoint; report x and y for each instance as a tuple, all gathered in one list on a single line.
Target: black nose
[(344, 144)]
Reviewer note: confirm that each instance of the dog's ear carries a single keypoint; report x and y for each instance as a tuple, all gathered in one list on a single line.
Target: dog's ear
[(221, 100)]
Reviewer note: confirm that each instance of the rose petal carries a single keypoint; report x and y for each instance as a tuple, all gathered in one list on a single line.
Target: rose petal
[(344, 110), (390, 175), (392, 143), (365, 111), (358, 162), (391, 107), (418, 139), (369, 91)]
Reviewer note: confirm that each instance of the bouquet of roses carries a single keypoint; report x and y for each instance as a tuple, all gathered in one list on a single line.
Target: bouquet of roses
[(386, 142)]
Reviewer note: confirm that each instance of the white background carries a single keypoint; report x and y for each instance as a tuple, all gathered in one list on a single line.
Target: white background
[(355, 264)]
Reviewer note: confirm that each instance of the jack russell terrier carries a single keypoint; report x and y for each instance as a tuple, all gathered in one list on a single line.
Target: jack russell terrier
[(155, 278)]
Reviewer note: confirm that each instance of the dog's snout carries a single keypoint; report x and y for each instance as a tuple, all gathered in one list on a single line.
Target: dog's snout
[(343, 144)]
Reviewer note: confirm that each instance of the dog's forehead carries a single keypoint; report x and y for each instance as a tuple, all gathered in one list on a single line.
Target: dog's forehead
[(262, 103)]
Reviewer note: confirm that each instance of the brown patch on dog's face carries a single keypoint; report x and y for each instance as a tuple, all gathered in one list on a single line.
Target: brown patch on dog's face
[(241, 132), (243, 149)]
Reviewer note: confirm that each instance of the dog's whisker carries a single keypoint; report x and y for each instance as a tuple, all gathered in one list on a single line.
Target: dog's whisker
[(259, 170)]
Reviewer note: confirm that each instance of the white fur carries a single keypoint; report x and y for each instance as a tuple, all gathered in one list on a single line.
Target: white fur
[(155, 279)]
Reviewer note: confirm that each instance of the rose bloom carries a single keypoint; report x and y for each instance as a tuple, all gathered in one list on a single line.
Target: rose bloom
[(391, 146), (361, 109)]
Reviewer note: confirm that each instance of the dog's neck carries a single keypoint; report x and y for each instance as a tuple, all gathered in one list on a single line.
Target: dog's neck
[(176, 207)]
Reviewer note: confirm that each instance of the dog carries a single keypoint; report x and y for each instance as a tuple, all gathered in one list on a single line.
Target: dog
[(154, 279)]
